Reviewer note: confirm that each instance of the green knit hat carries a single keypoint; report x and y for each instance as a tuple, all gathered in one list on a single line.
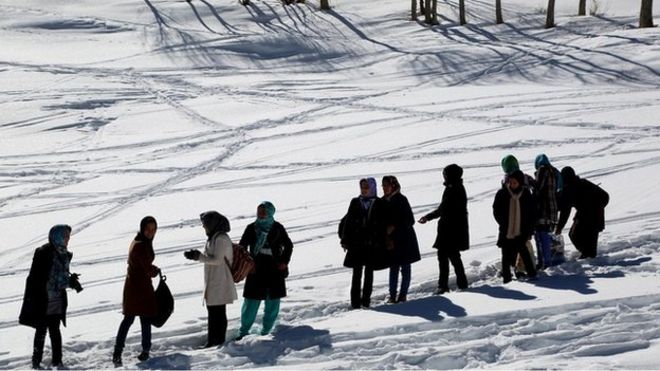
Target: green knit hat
[(510, 164)]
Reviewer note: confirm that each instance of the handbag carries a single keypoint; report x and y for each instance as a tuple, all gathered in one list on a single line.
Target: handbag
[(164, 303)]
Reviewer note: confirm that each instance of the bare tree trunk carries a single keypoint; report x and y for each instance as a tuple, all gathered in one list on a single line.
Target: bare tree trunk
[(461, 11), (550, 17), (498, 12), (427, 11), (582, 7), (413, 10), (646, 14), (434, 11)]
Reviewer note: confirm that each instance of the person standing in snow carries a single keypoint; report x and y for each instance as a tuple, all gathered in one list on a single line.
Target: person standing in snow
[(548, 183), (401, 239), (219, 287), (509, 165), (270, 246), (589, 201), (513, 210), (362, 235), (45, 300), (453, 233), (139, 297)]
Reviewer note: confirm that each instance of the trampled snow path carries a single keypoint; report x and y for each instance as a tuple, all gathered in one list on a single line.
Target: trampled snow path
[(117, 110)]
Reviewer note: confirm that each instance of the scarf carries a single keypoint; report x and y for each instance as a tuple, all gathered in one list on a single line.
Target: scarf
[(262, 227), (514, 214)]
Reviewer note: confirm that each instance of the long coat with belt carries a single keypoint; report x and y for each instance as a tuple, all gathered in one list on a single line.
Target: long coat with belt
[(402, 242), (362, 233), (219, 287), (139, 297), (453, 233), (267, 282), (35, 298)]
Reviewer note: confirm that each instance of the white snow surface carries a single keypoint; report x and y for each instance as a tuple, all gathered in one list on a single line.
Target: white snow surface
[(113, 110)]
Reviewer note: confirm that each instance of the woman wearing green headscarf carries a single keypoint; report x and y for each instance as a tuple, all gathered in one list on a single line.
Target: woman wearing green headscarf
[(271, 248)]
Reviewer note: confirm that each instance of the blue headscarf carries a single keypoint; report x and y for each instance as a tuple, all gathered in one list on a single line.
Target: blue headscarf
[(373, 193), (262, 226), (58, 278)]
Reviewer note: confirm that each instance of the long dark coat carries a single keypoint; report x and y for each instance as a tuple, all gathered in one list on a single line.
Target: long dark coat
[(453, 232), (402, 242), (527, 214), (362, 233), (267, 282), (139, 297), (589, 201), (35, 298)]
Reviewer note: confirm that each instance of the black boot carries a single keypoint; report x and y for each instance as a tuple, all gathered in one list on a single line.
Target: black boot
[(116, 357), (143, 356)]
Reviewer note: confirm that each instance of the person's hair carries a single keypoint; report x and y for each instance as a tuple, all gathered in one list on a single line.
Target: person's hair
[(392, 181), (146, 221)]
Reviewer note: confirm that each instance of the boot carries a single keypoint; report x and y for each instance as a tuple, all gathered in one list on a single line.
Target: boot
[(36, 358), (143, 356), (116, 357)]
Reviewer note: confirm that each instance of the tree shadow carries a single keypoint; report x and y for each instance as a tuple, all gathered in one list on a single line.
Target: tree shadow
[(265, 350), (501, 292), (429, 308)]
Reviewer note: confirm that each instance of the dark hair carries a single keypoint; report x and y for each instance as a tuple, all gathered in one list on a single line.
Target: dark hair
[(392, 181), (146, 221)]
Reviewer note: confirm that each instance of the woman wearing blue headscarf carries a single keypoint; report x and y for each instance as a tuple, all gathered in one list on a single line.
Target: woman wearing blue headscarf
[(271, 248), (45, 300)]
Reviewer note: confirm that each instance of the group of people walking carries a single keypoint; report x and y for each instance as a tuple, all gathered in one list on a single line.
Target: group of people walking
[(376, 233)]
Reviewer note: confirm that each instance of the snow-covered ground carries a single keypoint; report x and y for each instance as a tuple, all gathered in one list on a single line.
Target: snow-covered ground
[(118, 109)]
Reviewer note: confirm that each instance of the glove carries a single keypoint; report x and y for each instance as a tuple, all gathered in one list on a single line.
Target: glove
[(192, 254), (74, 283)]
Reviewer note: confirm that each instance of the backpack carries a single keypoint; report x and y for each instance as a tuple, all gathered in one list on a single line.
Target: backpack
[(242, 264)]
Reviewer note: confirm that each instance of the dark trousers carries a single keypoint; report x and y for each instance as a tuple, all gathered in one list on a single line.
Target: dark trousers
[(126, 325), (217, 324), (361, 294), (52, 326), (510, 251), (444, 257), (584, 238)]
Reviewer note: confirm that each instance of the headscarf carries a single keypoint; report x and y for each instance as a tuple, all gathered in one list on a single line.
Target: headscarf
[(143, 226), (214, 222), (58, 278), (262, 226), (373, 192), (541, 160), (568, 175), (452, 174), (510, 164)]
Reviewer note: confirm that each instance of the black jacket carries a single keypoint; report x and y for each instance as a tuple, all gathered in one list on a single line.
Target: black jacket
[(267, 280), (453, 233), (402, 242), (589, 201), (35, 298), (527, 214), (362, 233)]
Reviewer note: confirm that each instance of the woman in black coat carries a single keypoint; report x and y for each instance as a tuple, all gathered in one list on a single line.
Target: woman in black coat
[(45, 300), (589, 201), (514, 211), (362, 235), (453, 235), (401, 239), (270, 246)]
